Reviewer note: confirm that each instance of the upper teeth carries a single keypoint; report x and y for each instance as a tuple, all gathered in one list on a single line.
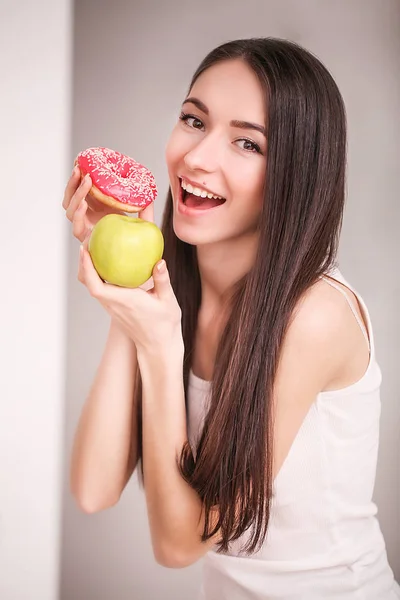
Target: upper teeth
[(198, 191)]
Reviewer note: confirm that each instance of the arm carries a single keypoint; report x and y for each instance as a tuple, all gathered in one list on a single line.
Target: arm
[(312, 354), (174, 508), (104, 450)]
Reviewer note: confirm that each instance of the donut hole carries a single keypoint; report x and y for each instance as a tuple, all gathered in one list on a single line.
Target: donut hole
[(121, 171), (118, 180)]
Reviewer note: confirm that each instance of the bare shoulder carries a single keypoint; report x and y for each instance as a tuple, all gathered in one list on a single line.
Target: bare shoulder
[(321, 313), (323, 349), (308, 358), (325, 327)]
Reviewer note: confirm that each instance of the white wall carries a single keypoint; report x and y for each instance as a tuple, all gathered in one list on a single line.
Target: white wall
[(133, 62), (35, 44)]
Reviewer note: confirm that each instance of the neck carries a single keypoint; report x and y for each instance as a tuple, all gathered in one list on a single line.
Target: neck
[(222, 265)]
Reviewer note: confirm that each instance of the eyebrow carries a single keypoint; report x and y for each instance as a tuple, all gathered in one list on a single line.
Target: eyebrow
[(235, 123)]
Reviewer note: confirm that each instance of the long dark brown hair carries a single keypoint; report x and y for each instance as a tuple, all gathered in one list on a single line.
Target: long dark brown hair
[(299, 234)]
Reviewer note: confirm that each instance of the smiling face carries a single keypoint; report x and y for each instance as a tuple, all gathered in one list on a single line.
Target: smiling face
[(218, 147)]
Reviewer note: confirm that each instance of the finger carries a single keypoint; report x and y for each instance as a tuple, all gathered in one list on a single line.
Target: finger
[(89, 275), (147, 285), (162, 283), (78, 196), (81, 275), (70, 188), (147, 214), (109, 295), (85, 241), (82, 279), (79, 222)]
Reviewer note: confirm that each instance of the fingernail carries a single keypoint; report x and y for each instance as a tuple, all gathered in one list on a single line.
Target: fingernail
[(161, 267)]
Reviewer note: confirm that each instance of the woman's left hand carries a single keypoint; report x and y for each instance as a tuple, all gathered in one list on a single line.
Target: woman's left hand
[(152, 317)]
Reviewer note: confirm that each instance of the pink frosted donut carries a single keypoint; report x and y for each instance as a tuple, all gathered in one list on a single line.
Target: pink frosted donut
[(118, 180)]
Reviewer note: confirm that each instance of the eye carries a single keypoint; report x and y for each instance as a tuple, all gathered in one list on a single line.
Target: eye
[(249, 146), (191, 121)]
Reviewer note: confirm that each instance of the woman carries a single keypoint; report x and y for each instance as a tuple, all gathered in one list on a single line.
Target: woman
[(254, 404)]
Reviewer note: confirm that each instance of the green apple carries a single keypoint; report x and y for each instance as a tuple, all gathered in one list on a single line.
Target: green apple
[(125, 249)]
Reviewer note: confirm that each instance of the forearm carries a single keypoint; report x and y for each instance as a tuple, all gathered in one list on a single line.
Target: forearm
[(102, 460), (173, 506)]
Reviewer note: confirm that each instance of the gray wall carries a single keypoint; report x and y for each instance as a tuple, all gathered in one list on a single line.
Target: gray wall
[(133, 62), (35, 67)]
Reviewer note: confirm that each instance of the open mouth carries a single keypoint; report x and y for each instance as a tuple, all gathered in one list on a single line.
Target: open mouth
[(197, 198)]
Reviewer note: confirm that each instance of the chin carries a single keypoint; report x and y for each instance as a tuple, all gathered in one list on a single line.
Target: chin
[(183, 233), (194, 236)]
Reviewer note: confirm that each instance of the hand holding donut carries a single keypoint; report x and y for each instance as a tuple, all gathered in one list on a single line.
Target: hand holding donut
[(103, 187), (103, 182), (76, 204), (123, 253)]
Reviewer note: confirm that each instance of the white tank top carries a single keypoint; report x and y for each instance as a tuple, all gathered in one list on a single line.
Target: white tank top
[(323, 540)]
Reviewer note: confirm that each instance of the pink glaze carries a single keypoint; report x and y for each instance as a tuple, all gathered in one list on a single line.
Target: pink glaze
[(118, 176)]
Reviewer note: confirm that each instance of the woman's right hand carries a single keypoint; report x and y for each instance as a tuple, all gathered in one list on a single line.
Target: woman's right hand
[(81, 208)]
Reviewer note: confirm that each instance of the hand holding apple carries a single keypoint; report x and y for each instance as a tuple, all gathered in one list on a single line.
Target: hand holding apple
[(126, 252), (152, 318), (124, 249)]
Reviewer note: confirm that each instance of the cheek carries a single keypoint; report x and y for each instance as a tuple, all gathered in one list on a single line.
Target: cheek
[(171, 150), (249, 183), (176, 146)]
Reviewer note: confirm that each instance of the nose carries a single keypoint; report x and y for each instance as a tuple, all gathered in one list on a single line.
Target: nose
[(204, 156)]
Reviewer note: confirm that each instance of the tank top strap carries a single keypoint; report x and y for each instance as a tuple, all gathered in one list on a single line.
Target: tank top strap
[(336, 285)]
